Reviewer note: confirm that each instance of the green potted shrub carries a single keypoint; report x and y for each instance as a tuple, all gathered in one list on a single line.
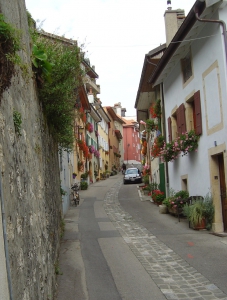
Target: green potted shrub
[(83, 185), (200, 213)]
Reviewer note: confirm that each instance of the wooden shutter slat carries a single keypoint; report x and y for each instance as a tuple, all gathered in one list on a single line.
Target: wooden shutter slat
[(183, 119), (170, 129), (198, 113), (178, 112)]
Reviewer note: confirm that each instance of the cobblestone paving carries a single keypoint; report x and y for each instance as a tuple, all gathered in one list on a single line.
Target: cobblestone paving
[(173, 275)]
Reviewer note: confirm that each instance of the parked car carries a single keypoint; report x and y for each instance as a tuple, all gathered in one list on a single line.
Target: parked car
[(132, 175)]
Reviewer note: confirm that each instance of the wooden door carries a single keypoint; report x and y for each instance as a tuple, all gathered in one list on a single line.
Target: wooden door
[(223, 189)]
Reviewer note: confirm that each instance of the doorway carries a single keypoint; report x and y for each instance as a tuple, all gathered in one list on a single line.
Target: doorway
[(223, 189)]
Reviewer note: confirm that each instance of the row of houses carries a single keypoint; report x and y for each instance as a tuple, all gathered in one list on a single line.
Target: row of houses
[(99, 147), (183, 90)]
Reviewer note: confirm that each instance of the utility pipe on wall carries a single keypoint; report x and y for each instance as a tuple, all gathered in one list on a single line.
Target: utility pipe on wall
[(221, 22)]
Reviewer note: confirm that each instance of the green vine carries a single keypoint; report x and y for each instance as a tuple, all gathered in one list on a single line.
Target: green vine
[(17, 122), (57, 64), (9, 45)]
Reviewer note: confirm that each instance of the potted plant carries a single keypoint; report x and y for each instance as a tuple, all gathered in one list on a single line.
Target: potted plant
[(196, 214), (83, 185)]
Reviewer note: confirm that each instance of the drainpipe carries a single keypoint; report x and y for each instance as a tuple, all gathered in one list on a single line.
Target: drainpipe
[(5, 240), (164, 133), (221, 22)]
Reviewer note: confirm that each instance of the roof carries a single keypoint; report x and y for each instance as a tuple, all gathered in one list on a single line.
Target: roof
[(89, 70), (151, 60), (113, 115), (83, 98), (172, 53), (129, 123), (103, 114), (95, 115)]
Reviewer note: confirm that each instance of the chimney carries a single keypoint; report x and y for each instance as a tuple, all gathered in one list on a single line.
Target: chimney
[(123, 110), (173, 21)]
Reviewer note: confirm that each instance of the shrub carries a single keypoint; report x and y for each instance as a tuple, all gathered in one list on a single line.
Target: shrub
[(146, 179), (83, 185), (59, 94)]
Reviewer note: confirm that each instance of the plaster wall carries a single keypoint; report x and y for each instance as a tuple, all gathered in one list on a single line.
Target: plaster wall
[(30, 179), (204, 53)]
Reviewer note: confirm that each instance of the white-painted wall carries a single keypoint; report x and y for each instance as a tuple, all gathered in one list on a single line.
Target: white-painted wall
[(204, 53)]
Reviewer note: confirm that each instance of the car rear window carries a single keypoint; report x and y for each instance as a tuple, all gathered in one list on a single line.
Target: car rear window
[(132, 171)]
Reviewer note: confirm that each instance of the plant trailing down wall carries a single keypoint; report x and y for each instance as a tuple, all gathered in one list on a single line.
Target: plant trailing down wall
[(57, 64), (9, 45)]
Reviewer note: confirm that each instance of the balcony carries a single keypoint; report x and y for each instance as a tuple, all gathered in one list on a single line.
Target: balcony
[(91, 84)]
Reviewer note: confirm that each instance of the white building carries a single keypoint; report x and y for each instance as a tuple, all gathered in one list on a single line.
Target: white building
[(193, 73)]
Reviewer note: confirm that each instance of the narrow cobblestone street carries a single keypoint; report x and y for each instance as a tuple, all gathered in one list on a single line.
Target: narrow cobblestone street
[(175, 277), (103, 267)]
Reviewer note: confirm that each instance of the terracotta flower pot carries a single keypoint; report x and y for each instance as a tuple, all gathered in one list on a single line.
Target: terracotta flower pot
[(201, 225)]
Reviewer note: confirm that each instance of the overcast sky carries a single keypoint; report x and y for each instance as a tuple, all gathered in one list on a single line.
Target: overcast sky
[(116, 34)]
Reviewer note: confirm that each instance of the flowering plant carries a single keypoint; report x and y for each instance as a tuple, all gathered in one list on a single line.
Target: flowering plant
[(96, 153), (91, 149), (188, 142), (89, 127), (96, 133), (170, 151), (158, 196), (83, 147), (157, 146), (82, 114), (151, 125), (155, 109), (146, 170), (185, 143)]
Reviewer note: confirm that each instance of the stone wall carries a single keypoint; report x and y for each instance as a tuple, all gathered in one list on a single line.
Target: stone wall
[(30, 179)]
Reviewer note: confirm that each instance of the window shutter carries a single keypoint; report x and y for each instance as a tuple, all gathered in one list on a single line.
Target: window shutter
[(170, 129), (181, 120), (178, 113), (198, 113)]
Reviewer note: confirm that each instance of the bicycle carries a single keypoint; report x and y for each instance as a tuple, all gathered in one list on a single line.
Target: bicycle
[(75, 193)]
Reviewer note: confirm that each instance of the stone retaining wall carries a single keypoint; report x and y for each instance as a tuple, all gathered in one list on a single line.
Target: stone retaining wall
[(30, 179)]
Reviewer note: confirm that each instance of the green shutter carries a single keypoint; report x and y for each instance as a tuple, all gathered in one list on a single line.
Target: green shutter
[(162, 178)]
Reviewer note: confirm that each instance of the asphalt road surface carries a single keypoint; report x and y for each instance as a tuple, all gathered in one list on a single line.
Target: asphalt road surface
[(116, 246)]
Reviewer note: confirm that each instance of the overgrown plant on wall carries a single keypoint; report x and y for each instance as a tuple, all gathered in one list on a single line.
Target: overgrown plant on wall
[(61, 76), (9, 46)]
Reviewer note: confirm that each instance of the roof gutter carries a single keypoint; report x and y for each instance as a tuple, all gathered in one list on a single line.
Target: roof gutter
[(221, 22), (176, 41)]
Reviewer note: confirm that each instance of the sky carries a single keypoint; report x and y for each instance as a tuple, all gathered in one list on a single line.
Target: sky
[(114, 34)]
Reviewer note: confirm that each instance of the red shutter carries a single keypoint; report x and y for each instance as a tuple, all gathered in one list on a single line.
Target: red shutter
[(178, 113), (198, 113), (170, 129), (181, 120)]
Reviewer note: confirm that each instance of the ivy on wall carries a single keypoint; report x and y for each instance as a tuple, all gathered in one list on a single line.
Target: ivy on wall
[(58, 65)]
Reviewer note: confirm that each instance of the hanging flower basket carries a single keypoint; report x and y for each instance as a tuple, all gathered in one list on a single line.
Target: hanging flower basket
[(96, 153), (91, 149), (155, 109), (89, 127), (186, 143)]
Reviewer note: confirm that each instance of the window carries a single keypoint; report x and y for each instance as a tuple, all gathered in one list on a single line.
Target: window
[(193, 113), (186, 67)]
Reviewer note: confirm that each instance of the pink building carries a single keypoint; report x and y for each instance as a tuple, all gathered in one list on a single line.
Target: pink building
[(131, 140)]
